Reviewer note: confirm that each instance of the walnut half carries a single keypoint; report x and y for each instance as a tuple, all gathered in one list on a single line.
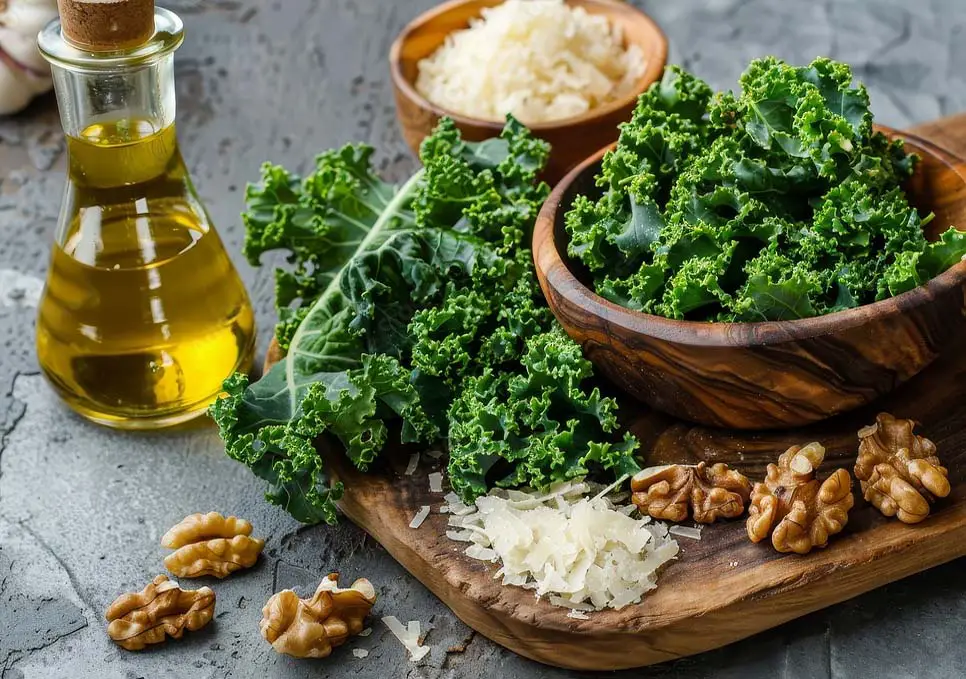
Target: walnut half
[(709, 493), (141, 618), (210, 544), (311, 628), (792, 506), (898, 470)]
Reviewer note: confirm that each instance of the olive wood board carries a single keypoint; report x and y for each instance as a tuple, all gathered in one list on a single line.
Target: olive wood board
[(721, 588)]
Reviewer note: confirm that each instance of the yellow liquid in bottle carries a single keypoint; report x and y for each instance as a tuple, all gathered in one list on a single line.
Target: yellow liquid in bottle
[(143, 315)]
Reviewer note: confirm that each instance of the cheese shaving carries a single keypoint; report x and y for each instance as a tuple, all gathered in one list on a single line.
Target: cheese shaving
[(366, 632), (686, 532), (481, 553), (435, 482), (408, 636), (360, 652), (650, 471), (420, 517), (578, 615), (580, 553)]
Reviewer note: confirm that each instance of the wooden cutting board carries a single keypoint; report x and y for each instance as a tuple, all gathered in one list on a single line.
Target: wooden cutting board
[(722, 588)]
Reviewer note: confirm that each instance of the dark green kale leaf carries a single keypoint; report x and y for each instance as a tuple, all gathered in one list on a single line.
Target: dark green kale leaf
[(667, 129), (270, 426), (943, 253), (534, 425), (320, 221), (397, 301)]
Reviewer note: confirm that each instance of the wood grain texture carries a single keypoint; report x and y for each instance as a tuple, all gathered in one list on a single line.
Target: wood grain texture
[(572, 139), (722, 588), (772, 374)]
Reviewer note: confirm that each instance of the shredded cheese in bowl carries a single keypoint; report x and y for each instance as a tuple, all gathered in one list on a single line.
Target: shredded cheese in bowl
[(540, 60)]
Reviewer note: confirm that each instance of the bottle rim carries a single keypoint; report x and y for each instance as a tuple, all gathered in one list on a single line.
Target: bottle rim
[(168, 36)]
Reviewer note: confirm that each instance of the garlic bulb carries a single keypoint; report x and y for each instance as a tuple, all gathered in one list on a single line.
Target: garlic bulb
[(23, 72)]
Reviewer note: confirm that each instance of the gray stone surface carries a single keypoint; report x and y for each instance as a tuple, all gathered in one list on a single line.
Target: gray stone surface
[(82, 508)]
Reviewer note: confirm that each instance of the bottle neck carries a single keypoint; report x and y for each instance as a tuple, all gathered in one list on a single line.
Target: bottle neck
[(113, 89), (116, 98)]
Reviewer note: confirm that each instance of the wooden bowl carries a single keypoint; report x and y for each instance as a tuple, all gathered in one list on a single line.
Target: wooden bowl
[(571, 139), (772, 374)]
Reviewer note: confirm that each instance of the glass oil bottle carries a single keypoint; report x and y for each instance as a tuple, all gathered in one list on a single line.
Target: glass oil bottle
[(143, 314)]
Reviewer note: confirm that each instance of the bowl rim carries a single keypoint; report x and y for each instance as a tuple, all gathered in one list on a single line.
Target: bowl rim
[(653, 69), (560, 281)]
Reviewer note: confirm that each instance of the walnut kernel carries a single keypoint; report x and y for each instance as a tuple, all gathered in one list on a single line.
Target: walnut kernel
[(709, 493), (138, 619), (898, 470), (795, 508), (210, 544), (311, 628)]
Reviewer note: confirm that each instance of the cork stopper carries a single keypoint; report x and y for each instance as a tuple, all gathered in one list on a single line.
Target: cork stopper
[(106, 25)]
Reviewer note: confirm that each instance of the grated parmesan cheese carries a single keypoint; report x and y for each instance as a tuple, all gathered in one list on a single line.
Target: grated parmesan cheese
[(360, 652), (580, 553), (540, 60), (420, 517)]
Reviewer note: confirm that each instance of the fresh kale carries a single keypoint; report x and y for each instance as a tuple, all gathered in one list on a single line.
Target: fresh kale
[(413, 314), (778, 203)]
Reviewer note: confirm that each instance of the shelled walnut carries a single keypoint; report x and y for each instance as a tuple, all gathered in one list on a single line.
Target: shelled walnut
[(138, 619), (210, 544), (708, 492), (797, 510), (898, 470), (310, 628)]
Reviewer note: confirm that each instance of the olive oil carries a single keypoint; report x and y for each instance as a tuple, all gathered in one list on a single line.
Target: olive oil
[(143, 315)]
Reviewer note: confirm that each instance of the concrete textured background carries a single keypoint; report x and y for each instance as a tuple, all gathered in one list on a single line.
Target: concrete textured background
[(82, 508)]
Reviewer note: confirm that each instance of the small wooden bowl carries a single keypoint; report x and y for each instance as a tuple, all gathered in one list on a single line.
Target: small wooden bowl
[(763, 375), (571, 139)]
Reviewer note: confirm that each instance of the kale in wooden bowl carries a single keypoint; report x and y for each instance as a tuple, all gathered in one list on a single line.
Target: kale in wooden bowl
[(758, 260)]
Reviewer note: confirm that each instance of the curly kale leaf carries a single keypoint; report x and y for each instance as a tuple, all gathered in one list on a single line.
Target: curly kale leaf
[(811, 112), (777, 289), (398, 300), (775, 203), (943, 253), (271, 425), (536, 425), (320, 221), (666, 130)]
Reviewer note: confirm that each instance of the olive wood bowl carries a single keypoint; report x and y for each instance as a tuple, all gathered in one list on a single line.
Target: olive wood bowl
[(571, 139), (769, 374)]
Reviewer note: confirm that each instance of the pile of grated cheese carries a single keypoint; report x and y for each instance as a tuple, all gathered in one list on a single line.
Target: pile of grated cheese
[(540, 60), (579, 552)]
